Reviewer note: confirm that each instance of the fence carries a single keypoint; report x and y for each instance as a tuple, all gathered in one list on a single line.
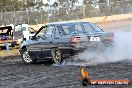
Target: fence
[(61, 14)]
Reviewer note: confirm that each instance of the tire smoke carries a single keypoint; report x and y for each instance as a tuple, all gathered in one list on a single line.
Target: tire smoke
[(121, 50)]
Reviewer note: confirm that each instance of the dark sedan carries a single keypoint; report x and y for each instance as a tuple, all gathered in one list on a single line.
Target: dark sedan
[(55, 41)]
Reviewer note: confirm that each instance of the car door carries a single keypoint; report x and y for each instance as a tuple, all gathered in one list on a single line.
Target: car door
[(57, 38), (35, 47), (61, 40), (47, 42)]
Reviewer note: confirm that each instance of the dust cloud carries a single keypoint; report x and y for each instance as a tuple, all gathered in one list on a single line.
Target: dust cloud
[(121, 50)]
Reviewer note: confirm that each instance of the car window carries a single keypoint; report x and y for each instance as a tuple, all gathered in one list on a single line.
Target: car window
[(72, 28), (96, 28), (58, 33), (67, 29), (78, 28), (49, 32), (87, 27)]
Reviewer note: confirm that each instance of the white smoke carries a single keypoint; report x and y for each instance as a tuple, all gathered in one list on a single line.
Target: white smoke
[(120, 51)]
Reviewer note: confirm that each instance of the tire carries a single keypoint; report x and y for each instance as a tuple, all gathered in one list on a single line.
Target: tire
[(56, 56), (26, 58)]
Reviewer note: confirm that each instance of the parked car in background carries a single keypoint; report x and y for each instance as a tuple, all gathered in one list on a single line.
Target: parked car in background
[(23, 32), (55, 41), (6, 36)]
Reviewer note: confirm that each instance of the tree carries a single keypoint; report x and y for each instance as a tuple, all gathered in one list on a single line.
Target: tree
[(10, 5)]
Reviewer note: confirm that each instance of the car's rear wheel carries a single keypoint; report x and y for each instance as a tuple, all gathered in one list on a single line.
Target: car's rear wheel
[(26, 57), (56, 56)]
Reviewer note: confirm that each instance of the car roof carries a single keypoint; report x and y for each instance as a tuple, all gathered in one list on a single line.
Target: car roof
[(65, 22), (6, 27)]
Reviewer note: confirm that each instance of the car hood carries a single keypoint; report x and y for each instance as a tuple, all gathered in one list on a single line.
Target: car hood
[(27, 42)]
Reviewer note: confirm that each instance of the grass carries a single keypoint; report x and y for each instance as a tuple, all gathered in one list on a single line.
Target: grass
[(12, 52)]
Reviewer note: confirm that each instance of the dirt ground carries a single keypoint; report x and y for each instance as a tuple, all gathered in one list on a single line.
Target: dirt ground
[(115, 25), (15, 74)]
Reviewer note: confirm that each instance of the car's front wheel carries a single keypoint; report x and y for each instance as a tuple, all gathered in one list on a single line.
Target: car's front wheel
[(56, 56), (26, 57)]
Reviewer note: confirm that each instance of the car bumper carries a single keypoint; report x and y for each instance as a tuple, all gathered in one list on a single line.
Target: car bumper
[(93, 45)]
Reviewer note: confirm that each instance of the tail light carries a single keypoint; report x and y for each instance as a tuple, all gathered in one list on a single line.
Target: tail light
[(75, 40), (110, 38)]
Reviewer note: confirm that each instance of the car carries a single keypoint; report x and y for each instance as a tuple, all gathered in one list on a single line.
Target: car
[(23, 32), (6, 36), (58, 40)]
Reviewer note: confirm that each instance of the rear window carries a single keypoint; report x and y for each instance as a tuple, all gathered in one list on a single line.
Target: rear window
[(96, 28), (80, 27)]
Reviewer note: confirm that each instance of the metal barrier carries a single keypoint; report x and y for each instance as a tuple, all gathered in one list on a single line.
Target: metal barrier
[(61, 14)]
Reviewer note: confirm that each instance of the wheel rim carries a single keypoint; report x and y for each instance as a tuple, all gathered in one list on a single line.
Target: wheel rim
[(57, 56), (26, 57)]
